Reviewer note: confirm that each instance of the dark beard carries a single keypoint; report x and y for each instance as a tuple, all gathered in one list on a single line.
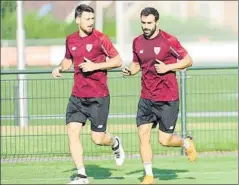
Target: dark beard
[(152, 32), (86, 32)]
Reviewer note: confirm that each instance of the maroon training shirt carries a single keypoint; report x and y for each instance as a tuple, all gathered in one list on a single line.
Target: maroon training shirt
[(166, 48), (96, 47)]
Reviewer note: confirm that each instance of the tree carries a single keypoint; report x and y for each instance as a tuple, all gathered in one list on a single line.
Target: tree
[(8, 7)]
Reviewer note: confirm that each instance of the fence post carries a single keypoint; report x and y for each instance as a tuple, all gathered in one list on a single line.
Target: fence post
[(120, 23), (183, 77), (22, 83), (99, 16)]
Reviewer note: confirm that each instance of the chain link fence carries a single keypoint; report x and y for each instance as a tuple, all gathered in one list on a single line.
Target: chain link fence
[(210, 105)]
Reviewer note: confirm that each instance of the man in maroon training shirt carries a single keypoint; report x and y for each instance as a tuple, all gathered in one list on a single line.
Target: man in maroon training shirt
[(87, 49), (156, 53)]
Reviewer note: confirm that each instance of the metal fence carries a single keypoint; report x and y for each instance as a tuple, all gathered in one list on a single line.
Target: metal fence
[(208, 112)]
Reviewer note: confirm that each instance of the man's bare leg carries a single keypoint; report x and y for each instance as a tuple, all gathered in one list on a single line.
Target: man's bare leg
[(106, 139), (76, 149), (173, 140), (144, 132)]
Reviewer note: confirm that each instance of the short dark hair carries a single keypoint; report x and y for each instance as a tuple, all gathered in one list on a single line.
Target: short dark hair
[(83, 8), (150, 10)]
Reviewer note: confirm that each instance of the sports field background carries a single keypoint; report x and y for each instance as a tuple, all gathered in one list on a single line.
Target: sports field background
[(39, 154), (167, 170), (211, 114)]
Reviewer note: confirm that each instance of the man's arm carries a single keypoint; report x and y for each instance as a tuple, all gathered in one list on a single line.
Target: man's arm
[(109, 64), (184, 59), (64, 66), (134, 67), (108, 48), (182, 64), (132, 70), (179, 52)]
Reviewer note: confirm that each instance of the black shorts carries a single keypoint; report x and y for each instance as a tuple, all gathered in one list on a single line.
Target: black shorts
[(163, 113), (94, 109)]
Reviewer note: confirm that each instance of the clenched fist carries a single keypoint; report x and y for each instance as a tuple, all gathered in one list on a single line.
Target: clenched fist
[(126, 71), (56, 72)]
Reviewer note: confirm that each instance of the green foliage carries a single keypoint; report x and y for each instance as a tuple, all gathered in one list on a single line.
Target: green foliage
[(7, 6), (190, 29), (36, 27), (196, 27), (47, 27), (9, 26), (109, 28)]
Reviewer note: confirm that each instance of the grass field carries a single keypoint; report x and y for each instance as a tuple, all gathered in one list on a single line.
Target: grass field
[(209, 94), (170, 170), (52, 140)]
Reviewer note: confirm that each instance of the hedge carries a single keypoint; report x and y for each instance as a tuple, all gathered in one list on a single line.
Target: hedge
[(47, 27)]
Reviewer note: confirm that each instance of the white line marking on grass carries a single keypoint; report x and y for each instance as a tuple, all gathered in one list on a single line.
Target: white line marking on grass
[(136, 175), (230, 95)]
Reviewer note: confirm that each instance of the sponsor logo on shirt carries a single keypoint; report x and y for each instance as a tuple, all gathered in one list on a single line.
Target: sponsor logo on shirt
[(73, 48), (89, 47), (157, 50), (141, 51)]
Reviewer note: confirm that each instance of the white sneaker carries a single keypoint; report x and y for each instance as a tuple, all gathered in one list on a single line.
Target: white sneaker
[(118, 151), (80, 179)]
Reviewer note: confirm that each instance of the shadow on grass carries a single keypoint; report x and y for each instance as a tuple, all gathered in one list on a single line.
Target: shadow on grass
[(162, 174), (97, 172)]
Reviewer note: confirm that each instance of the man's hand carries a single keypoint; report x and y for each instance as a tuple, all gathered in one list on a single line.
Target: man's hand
[(56, 72), (126, 71), (161, 67), (87, 66)]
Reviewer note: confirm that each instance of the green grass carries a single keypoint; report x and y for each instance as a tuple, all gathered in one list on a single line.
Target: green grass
[(52, 140), (176, 170)]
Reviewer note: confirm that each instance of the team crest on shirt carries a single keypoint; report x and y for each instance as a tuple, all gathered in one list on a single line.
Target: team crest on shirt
[(157, 50), (89, 47)]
